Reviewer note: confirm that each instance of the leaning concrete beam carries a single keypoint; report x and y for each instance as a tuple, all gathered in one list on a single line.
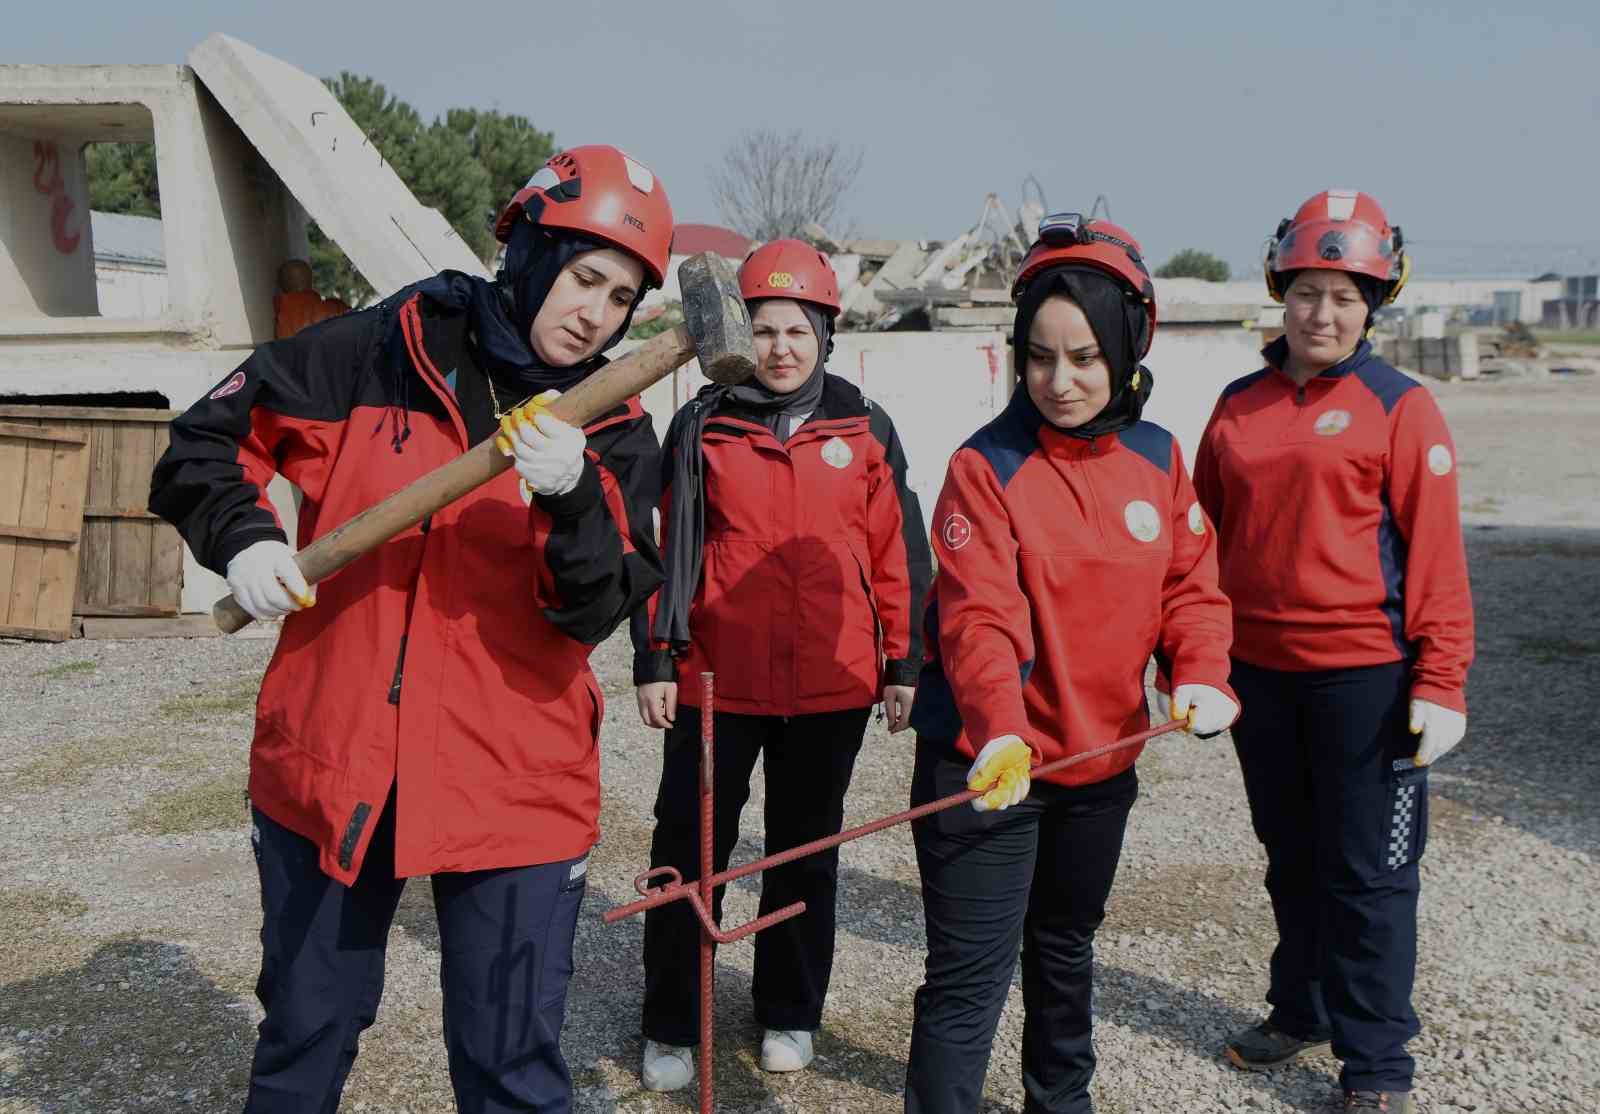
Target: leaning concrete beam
[(330, 167)]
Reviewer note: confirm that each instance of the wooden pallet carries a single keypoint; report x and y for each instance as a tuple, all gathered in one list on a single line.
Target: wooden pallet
[(130, 562), (44, 477)]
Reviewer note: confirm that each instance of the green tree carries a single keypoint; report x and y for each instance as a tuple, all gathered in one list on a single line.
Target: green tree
[(510, 148), (122, 178), (1191, 263)]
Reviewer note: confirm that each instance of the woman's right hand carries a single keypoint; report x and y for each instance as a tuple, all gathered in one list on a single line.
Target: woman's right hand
[(658, 703)]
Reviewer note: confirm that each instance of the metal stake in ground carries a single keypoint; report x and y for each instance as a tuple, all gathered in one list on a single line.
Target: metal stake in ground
[(699, 893)]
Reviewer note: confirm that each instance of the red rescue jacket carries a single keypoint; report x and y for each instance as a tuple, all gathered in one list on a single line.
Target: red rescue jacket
[(1063, 565), (1340, 523), (454, 658), (815, 569)]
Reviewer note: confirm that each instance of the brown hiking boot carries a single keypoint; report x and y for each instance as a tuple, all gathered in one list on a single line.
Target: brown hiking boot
[(1265, 1046), (1385, 1102)]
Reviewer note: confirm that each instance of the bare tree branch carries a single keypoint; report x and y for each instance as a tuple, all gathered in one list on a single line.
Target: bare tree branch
[(770, 186)]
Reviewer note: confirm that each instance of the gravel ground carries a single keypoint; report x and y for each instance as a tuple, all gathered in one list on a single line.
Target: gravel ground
[(128, 908)]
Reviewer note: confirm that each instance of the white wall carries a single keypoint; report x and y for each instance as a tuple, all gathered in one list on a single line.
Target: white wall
[(940, 387), (130, 290), (46, 249)]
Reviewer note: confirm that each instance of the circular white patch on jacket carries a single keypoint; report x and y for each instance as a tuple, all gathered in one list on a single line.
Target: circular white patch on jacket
[(1331, 423), (1143, 521), (837, 453), (957, 531), (1197, 520), (1439, 462)]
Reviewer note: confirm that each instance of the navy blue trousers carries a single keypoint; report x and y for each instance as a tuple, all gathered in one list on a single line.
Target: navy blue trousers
[(1035, 875), (1343, 815), (808, 760), (505, 941)]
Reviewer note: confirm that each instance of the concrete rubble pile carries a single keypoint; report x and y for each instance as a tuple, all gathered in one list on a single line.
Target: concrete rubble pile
[(961, 284)]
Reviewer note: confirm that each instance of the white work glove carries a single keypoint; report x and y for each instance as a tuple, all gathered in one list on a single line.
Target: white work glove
[(548, 451), (267, 583), (1208, 711), (1002, 768), (1441, 729)]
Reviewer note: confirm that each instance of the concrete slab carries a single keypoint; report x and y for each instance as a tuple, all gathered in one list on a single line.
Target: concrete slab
[(330, 167)]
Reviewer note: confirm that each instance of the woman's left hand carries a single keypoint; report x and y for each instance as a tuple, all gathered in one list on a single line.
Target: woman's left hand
[(897, 705)]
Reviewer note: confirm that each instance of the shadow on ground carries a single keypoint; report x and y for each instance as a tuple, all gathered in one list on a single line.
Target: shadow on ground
[(1529, 754), (137, 1025)]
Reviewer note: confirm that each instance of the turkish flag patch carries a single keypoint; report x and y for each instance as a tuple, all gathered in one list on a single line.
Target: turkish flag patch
[(232, 386), (957, 531)]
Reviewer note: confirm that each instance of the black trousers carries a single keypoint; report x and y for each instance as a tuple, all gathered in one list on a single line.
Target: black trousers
[(1343, 815), (1035, 875), (808, 761), (506, 958)]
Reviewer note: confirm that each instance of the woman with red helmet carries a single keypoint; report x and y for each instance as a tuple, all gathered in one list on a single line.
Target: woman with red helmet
[(796, 568), (431, 711), (1331, 478), (1070, 548)]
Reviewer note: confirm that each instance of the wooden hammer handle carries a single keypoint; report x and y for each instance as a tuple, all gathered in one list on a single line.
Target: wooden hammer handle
[(605, 390)]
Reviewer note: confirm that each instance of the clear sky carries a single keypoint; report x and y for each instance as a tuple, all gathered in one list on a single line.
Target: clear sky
[(1476, 124)]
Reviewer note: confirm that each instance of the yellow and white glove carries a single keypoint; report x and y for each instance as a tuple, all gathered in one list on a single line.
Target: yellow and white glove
[(1441, 729), (265, 580), (1208, 710), (548, 451), (1001, 769)]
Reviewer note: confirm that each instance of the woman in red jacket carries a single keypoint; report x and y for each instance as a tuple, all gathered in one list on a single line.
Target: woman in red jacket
[(796, 567), (1331, 478), (1070, 549), (434, 713)]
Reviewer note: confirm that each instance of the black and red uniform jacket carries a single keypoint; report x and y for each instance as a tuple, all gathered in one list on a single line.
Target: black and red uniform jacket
[(1064, 564), (452, 660), (1339, 517), (816, 564)]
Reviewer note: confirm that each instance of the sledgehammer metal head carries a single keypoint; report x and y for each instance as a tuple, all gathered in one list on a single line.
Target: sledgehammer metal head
[(716, 318)]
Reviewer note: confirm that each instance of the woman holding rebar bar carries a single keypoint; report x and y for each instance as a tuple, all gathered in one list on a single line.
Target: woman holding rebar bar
[(1331, 478), (796, 570), (1070, 547)]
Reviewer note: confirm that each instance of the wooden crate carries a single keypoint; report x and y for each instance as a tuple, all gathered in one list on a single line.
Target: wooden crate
[(44, 472), (130, 563)]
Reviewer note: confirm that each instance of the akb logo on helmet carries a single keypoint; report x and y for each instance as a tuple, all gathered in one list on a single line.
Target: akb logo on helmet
[(780, 280)]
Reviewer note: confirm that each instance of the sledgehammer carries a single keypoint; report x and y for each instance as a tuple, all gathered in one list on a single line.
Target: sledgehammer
[(716, 329)]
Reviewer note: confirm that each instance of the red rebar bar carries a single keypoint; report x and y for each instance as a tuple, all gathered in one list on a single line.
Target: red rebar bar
[(679, 890), (708, 976)]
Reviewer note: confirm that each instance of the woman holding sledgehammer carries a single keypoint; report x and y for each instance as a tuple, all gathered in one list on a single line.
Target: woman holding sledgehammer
[(1071, 547), (434, 712), (796, 570), (1331, 478)]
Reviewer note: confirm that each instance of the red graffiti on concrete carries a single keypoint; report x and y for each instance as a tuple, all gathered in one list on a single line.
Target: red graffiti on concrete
[(47, 180)]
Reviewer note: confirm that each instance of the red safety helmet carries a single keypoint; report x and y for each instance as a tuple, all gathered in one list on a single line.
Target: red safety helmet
[(1338, 230), (1068, 238), (602, 193), (790, 269)]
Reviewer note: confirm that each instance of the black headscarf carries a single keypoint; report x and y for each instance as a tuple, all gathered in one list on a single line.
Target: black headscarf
[(1372, 291), (686, 518), (500, 315), (1121, 325)]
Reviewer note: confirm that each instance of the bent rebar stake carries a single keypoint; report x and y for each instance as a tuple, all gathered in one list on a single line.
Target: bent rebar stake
[(699, 893)]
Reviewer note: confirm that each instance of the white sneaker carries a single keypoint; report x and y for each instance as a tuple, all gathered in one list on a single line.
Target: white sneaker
[(786, 1049), (667, 1067)]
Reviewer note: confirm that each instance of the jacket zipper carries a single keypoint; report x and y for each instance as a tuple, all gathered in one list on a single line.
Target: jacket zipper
[(400, 658)]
